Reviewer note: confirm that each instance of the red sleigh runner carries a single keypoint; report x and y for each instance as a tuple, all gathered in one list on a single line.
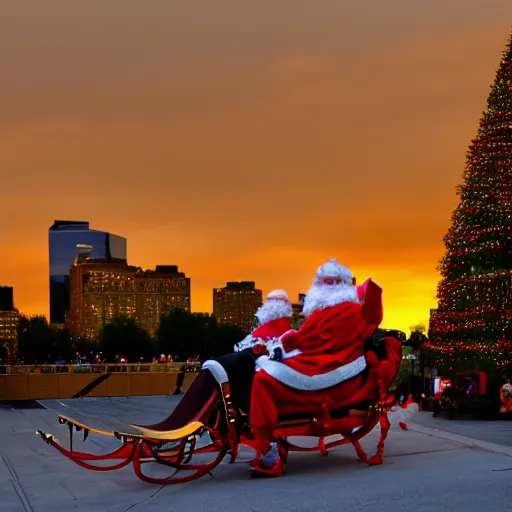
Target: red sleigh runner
[(216, 404)]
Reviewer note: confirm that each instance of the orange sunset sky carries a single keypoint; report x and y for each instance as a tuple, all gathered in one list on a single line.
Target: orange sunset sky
[(243, 140)]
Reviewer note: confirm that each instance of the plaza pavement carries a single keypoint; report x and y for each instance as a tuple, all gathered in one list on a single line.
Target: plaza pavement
[(498, 432), (424, 470)]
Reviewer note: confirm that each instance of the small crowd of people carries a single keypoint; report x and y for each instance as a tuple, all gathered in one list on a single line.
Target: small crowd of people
[(163, 359), (97, 358)]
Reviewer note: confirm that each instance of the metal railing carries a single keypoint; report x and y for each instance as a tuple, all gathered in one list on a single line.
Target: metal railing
[(100, 368)]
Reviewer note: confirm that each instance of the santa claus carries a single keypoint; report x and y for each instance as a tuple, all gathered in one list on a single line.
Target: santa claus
[(274, 318), (318, 364)]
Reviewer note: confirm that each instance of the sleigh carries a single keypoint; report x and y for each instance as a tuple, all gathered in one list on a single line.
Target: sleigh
[(210, 423)]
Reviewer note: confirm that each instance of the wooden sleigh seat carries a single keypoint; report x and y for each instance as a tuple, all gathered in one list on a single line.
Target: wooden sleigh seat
[(188, 416), (191, 414)]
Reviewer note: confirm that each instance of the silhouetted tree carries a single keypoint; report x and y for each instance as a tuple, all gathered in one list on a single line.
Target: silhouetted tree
[(415, 343), (182, 334), (83, 346), (37, 341), (224, 337), (124, 336), (417, 337), (63, 344)]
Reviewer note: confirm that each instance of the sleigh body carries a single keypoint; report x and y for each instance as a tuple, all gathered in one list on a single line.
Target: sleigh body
[(211, 422)]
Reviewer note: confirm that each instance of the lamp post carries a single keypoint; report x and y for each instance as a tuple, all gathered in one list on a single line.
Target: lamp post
[(411, 381)]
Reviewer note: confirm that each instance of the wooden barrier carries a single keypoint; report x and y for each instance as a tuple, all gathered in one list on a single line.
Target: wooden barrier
[(130, 381)]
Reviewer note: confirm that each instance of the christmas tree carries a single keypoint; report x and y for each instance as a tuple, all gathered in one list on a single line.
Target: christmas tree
[(471, 328)]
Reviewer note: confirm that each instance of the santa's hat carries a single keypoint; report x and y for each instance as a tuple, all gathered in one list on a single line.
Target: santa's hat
[(333, 273), (278, 295)]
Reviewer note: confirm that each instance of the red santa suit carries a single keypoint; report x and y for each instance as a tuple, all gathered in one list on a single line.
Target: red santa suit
[(323, 361)]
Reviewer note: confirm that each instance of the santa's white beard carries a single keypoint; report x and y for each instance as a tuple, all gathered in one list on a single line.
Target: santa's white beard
[(321, 296), (272, 310)]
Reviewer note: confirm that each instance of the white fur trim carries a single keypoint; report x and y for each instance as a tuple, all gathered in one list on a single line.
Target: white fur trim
[(292, 378), (247, 342), (292, 353), (273, 310), (321, 296), (273, 344), (217, 370), (277, 343), (278, 294), (333, 269)]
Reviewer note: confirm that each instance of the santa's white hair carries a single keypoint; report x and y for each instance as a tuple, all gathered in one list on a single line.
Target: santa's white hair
[(332, 286), (277, 305)]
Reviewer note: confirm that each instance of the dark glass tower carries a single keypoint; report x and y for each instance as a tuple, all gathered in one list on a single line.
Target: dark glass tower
[(64, 240), (6, 298)]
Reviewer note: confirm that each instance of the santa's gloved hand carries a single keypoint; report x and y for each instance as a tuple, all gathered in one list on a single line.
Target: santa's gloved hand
[(276, 350), (277, 355), (247, 342)]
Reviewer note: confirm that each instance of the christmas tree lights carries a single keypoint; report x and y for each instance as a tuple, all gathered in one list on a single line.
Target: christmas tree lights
[(472, 327)]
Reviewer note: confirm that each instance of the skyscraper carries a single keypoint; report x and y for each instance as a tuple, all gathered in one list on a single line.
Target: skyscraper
[(9, 317), (6, 298), (102, 291), (236, 304), (65, 239), (298, 317)]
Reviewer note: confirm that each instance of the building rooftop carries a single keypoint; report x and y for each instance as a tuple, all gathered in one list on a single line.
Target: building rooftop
[(164, 271), (117, 264), (66, 224), (6, 298), (98, 263), (240, 285)]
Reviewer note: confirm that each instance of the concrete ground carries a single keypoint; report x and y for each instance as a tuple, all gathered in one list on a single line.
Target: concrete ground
[(422, 472), (499, 432)]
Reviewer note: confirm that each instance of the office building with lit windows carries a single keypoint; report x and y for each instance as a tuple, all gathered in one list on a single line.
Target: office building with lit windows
[(236, 304), (298, 317), (103, 290), (65, 240), (9, 317)]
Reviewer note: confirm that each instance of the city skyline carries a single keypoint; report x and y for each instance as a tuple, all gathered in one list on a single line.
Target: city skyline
[(245, 145)]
